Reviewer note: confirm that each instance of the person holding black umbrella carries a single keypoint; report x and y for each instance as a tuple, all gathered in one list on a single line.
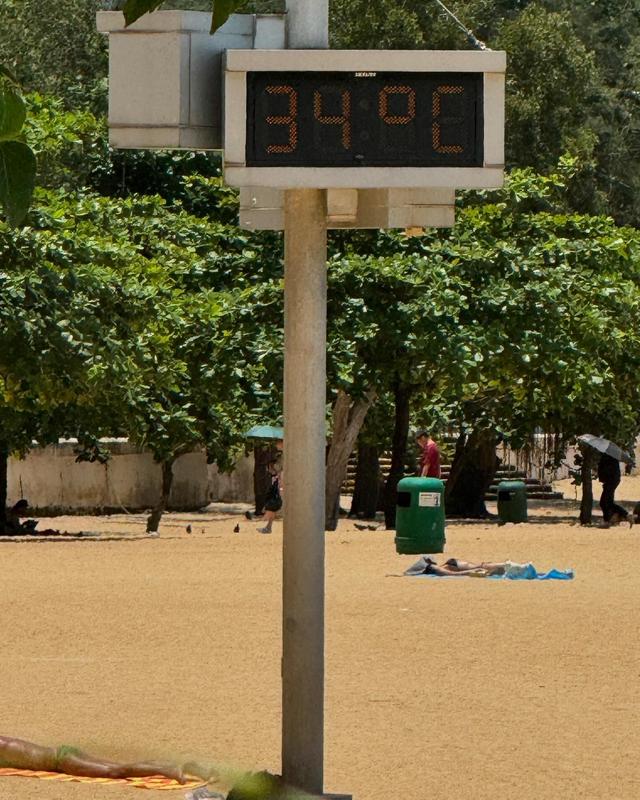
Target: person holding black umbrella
[(609, 477)]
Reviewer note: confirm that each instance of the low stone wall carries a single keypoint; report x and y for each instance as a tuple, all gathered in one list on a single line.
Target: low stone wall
[(54, 483), (236, 487)]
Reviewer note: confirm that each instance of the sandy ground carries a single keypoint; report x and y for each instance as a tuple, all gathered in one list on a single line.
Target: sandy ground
[(628, 493), (467, 689)]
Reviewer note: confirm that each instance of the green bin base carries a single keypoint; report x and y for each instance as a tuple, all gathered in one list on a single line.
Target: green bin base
[(406, 546)]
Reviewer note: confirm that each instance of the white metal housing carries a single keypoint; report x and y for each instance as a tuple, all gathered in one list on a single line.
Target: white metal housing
[(262, 208), (165, 75), (239, 62)]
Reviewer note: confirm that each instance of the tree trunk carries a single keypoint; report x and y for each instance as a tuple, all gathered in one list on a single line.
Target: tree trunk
[(348, 416), (366, 490), (402, 396), (4, 466), (472, 472), (153, 521), (586, 504), (262, 455)]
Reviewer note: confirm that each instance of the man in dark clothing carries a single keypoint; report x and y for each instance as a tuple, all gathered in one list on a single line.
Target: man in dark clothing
[(609, 477)]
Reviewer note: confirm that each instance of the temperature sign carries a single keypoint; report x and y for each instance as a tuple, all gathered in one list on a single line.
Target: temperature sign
[(366, 119)]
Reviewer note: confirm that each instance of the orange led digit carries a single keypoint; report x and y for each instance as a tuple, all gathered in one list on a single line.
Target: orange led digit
[(344, 120), (437, 111), (383, 105), (290, 119)]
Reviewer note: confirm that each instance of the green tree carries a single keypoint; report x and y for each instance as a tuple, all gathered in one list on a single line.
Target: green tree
[(393, 329), (551, 79), (60, 318), (545, 328), (374, 24), (52, 46), (159, 334)]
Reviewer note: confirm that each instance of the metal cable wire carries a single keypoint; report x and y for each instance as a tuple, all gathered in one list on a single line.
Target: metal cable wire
[(471, 37)]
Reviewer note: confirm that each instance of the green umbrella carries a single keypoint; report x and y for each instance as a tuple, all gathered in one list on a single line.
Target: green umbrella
[(265, 432)]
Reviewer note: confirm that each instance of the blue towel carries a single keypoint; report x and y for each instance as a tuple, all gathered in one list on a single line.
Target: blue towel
[(530, 573), (557, 575)]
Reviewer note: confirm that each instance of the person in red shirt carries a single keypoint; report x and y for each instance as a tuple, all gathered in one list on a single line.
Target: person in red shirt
[(429, 457)]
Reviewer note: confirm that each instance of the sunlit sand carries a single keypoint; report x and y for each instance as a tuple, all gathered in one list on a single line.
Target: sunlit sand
[(436, 688)]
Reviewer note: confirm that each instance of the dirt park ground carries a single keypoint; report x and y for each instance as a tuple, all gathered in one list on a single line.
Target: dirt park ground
[(461, 689)]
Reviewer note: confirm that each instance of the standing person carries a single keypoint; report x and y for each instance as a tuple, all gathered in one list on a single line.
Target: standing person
[(430, 456), (609, 477), (263, 455), (273, 502), (273, 497)]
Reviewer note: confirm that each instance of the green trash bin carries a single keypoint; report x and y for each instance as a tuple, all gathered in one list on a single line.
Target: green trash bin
[(512, 501), (420, 516)]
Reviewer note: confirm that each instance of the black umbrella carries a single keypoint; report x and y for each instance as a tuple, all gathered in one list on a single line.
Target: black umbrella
[(605, 447)]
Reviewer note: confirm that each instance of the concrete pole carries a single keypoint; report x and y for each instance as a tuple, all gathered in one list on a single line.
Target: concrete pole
[(307, 24), (305, 310)]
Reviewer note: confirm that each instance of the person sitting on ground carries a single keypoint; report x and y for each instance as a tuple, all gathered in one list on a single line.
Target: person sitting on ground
[(13, 525), (20, 754)]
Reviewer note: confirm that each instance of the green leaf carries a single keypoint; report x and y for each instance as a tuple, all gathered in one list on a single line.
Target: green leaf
[(17, 179), (12, 112), (221, 11), (134, 9)]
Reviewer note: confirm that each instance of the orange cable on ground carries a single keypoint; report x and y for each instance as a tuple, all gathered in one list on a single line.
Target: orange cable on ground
[(150, 782)]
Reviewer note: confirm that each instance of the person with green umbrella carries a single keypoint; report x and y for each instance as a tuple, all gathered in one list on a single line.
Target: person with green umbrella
[(273, 499)]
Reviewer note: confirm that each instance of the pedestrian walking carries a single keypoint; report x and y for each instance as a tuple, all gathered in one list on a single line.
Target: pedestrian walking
[(429, 457)]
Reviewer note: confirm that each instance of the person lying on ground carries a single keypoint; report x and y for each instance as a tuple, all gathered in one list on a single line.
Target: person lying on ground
[(490, 567), (20, 754), (457, 567), (454, 567)]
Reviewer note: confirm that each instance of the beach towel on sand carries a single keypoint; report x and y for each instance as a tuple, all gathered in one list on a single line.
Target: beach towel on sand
[(150, 782), (513, 572)]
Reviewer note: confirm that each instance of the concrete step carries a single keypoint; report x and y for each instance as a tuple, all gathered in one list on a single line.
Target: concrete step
[(536, 489), (529, 487), (532, 496), (506, 475)]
